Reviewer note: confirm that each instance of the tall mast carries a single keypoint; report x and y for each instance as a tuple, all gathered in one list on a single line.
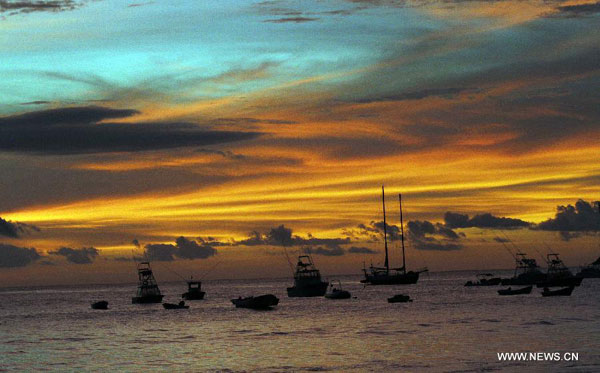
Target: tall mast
[(402, 233), (387, 264)]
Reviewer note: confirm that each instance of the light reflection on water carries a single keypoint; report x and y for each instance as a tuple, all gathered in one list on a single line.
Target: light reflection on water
[(447, 328)]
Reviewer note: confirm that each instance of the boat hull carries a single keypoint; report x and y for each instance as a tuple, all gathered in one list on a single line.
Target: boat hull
[(399, 298), (338, 294), (407, 278), (193, 295), (561, 282), (258, 303), (147, 299), (171, 306), (525, 290), (560, 292), (101, 305), (310, 290)]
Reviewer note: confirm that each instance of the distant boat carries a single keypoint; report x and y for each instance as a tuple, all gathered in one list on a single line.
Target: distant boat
[(560, 292), (510, 291), (172, 306), (399, 298), (386, 275), (590, 271), (527, 272), (100, 305), (337, 292), (259, 303), (558, 274), (194, 291), (147, 291), (485, 279), (307, 280)]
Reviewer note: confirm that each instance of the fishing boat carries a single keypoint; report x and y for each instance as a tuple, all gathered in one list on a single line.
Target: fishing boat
[(591, 270), (147, 291), (527, 272), (485, 279), (386, 275), (100, 305), (558, 274), (560, 292), (172, 306), (307, 280), (399, 298), (260, 302), (194, 291), (510, 291), (337, 292)]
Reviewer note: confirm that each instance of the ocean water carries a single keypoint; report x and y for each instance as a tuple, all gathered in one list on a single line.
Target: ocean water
[(448, 328)]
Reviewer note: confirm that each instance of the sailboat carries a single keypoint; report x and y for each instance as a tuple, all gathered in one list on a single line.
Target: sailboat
[(386, 275), (147, 291)]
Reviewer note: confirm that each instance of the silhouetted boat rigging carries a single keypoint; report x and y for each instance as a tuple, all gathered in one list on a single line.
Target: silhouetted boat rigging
[(194, 291), (560, 292), (527, 272), (558, 274), (386, 275), (337, 292), (485, 279), (147, 291), (510, 291), (592, 270), (307, 279), (100, 305), (260, 302)]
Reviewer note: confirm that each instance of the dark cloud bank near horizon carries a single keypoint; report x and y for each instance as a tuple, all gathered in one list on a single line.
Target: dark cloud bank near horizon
[(15, 229), (79, 130), (84, 255)]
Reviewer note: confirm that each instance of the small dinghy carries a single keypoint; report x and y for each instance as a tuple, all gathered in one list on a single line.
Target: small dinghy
[(262, 302), (337, 292), (399, 298), (560, 292), (510, 291), (100, 305), (171, 306)]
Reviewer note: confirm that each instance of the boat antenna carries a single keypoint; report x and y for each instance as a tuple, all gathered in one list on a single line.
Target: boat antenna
[(203, 275), (402, 233), (387, 264), (287, 257)]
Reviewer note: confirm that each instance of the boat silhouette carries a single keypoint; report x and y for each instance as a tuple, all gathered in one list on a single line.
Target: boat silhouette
[(307, 280), (386, 275), (510, 291), (147, 291), (260, 302)]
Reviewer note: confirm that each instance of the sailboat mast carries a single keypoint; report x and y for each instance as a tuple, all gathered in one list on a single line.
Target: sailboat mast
[(402, 233), (387, 264)]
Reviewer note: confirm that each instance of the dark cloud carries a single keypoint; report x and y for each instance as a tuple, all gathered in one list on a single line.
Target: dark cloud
[(16, 7), (373, 232), (184, 249), (486, 220), (583, 217), (15, 229), (13, 256), (578, 10), (39, 102), (85, 255), (224, 153), (425, 235), (416, 95), (360, 250), (325, 251), (291, 19), (76, 130)]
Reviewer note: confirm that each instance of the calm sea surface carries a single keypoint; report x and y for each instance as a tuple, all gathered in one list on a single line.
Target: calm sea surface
[(448, 328)]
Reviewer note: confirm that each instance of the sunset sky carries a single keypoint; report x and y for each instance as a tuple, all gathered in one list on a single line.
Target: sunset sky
[(193, 130)]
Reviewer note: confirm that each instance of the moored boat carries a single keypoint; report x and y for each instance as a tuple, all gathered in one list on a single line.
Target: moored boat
[(260, 302), (510, 291), (399, 298), (560, 292), (485, 279), (172, 306), (147, 291), (337, 292), (527, 272), (386, 275), (558, 274), (307, 280), (590, 271), (100, 305), (194, 291)]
